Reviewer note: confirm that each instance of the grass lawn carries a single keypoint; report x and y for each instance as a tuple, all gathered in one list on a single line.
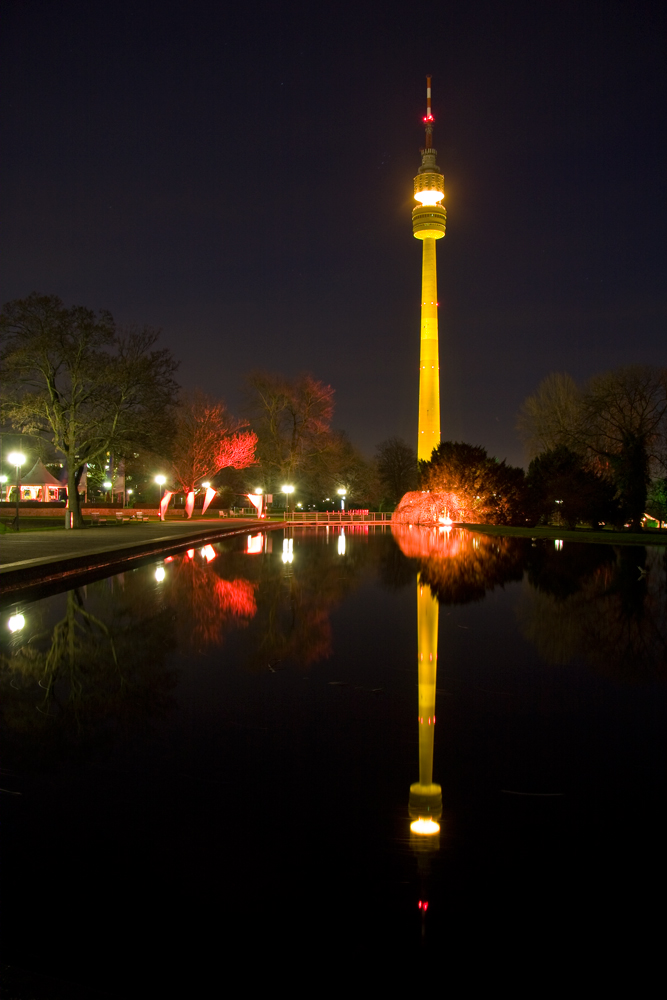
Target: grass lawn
[(35, 524), (609, 535), (58, 523)]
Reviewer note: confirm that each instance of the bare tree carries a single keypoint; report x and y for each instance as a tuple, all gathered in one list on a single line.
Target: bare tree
[(292, 418), (69, 375), (552, 417), (207, 440), (618, 420), (625, 426), (397, 468)]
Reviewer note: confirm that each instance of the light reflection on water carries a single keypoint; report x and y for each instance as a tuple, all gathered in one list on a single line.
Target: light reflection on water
[(224, 717)]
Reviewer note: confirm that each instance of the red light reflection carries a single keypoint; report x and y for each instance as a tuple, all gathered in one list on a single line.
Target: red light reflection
[(210, 604), (255, 544)]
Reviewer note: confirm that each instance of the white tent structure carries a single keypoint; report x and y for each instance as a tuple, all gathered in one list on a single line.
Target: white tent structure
[(38, 484)]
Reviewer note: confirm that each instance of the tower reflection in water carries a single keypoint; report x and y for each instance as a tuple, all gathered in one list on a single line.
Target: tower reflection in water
[(425, 804)]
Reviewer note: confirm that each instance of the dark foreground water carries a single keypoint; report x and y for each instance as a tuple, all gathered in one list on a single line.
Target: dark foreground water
[(207, 763)]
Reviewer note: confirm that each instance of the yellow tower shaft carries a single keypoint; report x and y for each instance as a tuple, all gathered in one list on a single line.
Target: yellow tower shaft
[(429, 365), (427, 652)]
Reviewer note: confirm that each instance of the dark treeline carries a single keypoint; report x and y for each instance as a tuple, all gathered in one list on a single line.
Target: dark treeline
[(102, 407), (598, 456), (103, 403)]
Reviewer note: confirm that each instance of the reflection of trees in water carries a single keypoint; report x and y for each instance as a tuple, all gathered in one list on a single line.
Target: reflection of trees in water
[(103, 660), (394, 568), (616, 618), (297, 599), (459, 565), (205, 604), (608, 605), (563, 572)]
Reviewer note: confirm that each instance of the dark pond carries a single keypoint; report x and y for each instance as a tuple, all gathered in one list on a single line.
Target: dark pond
[(214, 761)]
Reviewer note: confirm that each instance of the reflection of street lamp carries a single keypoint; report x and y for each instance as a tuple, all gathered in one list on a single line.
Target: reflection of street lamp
[(287, 490), (160, 480), (16, 623), (342, 494), (17, 458), (288, 550)]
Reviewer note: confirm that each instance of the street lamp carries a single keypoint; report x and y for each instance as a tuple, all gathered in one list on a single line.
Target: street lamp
[(17, 458), (342, 494), (160, 480), (287, 490)]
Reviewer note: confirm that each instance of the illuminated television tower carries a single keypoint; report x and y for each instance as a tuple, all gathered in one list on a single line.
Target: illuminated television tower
[(428, 225)]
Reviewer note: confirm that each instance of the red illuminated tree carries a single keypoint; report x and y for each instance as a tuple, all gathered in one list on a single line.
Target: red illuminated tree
[(207, 440)]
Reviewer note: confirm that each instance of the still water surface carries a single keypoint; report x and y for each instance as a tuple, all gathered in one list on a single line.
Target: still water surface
[(219, 755)]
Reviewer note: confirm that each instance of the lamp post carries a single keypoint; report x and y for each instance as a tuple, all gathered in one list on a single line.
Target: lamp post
[(342, 494), (17, 458), (287, 490), (107, 486), (160, 480)]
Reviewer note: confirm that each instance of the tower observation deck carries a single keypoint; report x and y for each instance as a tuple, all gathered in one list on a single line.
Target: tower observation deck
[(428, 225)]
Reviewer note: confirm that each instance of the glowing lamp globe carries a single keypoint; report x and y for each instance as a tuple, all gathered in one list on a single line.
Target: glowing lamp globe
[(16, 458), (16, 623), (425, 827)]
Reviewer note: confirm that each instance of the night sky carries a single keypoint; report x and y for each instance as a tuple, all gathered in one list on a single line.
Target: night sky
[(240, 175)]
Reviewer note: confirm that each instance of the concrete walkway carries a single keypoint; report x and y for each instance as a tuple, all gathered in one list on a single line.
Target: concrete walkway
[(39, 556)]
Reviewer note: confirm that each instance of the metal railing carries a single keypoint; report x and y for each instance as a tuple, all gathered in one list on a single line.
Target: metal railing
[(337, 517)]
